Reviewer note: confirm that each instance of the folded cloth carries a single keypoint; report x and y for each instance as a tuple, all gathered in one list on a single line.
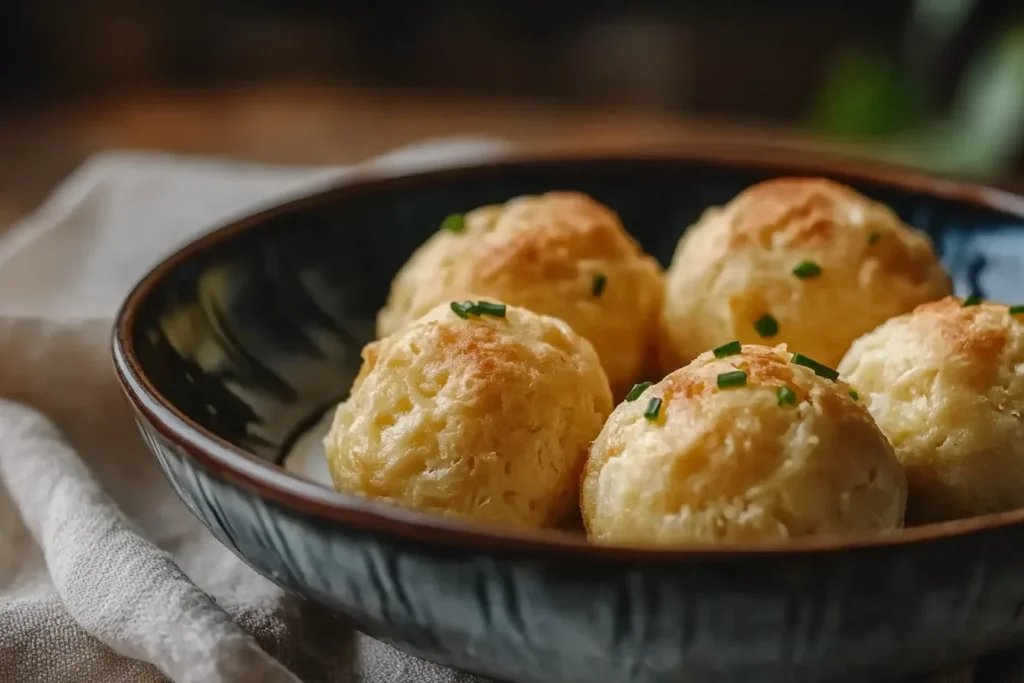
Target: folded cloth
[(104, 575)]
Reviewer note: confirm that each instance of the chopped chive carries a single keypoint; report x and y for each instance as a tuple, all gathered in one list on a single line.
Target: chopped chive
[(730, 349), (874, 237), (464, 309), (806, 269), (637, 389), (854, 395), (972, 300), (736, 378), (786, 396), (488, 308), (1017, 310), (456, 222), (653, 409), (819, 369), (599, 282), (767, 326)]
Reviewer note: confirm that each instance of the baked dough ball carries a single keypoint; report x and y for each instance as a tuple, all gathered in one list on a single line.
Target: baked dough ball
[(487, 418), (946, 385), (561, 254), (802, 261), (786, 454)]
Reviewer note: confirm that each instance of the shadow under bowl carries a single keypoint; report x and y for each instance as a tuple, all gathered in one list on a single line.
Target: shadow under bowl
[(235, 345)]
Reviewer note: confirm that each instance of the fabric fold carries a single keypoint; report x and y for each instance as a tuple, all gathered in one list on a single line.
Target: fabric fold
[(115, 584)]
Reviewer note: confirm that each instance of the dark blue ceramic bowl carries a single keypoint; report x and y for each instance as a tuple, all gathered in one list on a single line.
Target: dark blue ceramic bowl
[(232, 346)]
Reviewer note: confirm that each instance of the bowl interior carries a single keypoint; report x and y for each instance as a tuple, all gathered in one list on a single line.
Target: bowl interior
[(255, 330)]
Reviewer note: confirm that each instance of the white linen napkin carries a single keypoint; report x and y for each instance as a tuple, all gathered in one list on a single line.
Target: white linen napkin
[(104, 575)]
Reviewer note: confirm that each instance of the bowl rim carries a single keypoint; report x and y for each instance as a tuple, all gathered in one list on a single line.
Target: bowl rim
[(271, 482)]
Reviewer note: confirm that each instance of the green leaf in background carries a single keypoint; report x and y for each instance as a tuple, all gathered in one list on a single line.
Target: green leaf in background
[(987, 118), (881, 105), (867, 93), (984, 130), (864, 94)]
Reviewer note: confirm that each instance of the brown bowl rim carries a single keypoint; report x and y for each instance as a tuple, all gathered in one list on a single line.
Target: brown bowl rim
[(273, 483)]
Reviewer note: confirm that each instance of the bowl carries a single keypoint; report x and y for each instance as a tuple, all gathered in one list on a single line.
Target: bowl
[(233, 347)]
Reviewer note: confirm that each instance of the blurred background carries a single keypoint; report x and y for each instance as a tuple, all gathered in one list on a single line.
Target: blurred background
[(937, 84)]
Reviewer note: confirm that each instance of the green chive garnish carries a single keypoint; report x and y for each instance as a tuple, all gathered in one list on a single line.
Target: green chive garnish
[(730, 349), (653, 408), (819, 369), (487, 308), (972, 300), (767, 326), (454, 223), (736, 378), (806, 269), (854, 395), (874, 237), (1017, 310), (599, 282), (464, 309), (637, 389), (787, 397)]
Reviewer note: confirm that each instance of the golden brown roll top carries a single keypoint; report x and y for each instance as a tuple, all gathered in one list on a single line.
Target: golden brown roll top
[(560, 254), (802, 261)]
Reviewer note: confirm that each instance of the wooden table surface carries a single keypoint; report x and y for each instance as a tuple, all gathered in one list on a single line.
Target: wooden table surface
[(307, 125)]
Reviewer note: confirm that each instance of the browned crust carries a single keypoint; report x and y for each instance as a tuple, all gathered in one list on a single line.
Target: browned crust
[(545, 236), (806, 210), (980, 331), (765, 366)]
